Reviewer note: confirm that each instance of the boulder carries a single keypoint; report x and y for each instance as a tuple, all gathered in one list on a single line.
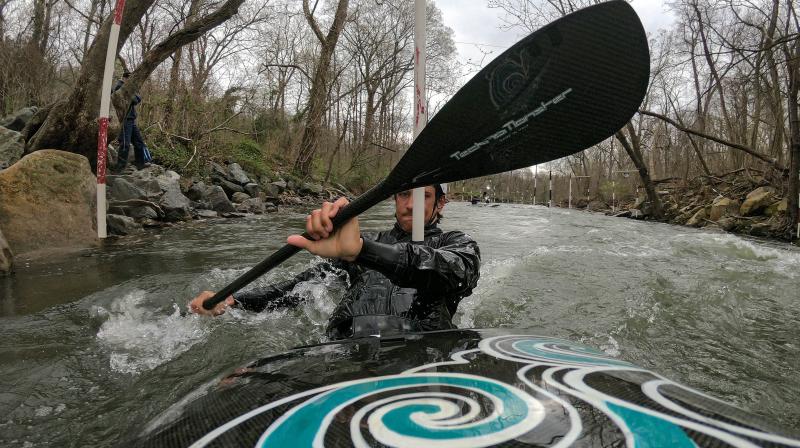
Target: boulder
[(270, 207), (309, 188), (727, 223), (18, 120), (12, 146), (169, 180), (280, 185), (48, 201), (723, 207), (176, 206), (6, 256), (252, 205), (218, 200), (760, 229), (596, 205), (120, 188), (777, 207), (206, 214), (151, 187), (219, 170), (238, 198), (698, 219), (149, 172), (252, 189), (237, 174), (272, 190), (229, 187), (122, 225), (137, 209), (757, 200), (197, 191)]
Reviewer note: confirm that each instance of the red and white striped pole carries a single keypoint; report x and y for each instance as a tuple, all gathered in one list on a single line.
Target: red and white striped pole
[(420, 112), (102, 121)]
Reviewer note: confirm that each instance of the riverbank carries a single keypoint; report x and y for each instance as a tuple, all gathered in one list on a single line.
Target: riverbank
[(742, 202)]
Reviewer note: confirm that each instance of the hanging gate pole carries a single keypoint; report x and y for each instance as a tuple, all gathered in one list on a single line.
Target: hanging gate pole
[(420, 112), (102, 121)]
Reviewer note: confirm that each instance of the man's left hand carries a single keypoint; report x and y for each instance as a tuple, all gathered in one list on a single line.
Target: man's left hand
[(344, 243)]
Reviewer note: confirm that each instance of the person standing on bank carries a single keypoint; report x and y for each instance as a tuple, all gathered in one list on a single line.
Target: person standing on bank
[(129, 132), (396, 286)]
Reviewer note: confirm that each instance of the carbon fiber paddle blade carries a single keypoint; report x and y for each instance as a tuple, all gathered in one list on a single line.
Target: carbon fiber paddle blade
[(564, 88)]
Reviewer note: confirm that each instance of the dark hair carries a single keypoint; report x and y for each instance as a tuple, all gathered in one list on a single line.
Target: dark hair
[(126, 73)]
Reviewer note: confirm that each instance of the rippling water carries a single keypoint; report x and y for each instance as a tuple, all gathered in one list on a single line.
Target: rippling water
[(92, 347)]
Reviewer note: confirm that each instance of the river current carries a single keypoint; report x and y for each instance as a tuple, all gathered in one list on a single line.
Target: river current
[(93, 346)]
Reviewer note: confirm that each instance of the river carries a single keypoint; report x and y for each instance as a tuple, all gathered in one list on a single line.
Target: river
[(93, 346)]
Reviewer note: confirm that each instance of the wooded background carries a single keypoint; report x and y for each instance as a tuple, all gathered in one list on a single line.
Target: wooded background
[(322, 89)]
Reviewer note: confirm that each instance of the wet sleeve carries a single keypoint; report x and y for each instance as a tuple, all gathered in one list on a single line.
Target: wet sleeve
[(451, 269), (278, 295)]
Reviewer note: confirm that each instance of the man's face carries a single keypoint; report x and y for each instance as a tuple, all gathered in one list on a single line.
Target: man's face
[(404, 206)]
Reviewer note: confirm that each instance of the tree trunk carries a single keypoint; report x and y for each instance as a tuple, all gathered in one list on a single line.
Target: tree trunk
[(71, 124), (319, 86), (634, 151), (793, 67)]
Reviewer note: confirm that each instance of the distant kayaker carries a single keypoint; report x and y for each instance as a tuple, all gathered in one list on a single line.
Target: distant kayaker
[(395, 285)]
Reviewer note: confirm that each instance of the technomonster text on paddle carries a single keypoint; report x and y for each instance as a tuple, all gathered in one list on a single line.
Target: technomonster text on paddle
[(512, 126)]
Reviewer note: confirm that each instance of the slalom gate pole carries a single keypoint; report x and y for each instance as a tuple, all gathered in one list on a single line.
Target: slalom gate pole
[(102, 120), (420, 112)]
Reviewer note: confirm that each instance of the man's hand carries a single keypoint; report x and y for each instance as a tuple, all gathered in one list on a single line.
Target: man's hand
[(196, 305), (345, 243)]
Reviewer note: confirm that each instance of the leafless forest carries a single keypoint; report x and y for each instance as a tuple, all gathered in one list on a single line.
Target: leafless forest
[(322, 89)]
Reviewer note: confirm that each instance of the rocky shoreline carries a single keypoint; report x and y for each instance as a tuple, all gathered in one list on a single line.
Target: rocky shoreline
[(741, 202)]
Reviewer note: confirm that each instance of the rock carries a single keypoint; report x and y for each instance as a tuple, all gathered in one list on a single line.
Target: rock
[(252, 205), (727, 223), (206, 214), (280, 185), (238, 197), (121, 189), (18, 120), (176, 206), (197, 191), (149, 172), (12, 146), (229, 187), (137, 209), (234, 215), (169, 180), (150, 186), (252, 189), (6, 256), (698, 219), (637, 214), (760, 229), (122, 225), (48, 201), (596, 205), (756, 201), (723, 207), (777, 207), (270, 208), (218, 200), (309, 188), (219, 170), (272, 190), (237, 174)]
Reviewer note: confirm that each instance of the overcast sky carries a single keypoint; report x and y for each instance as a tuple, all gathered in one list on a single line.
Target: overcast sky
[(479, 30)]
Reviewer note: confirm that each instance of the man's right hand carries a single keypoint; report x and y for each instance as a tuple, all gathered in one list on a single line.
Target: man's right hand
[(196, 305)]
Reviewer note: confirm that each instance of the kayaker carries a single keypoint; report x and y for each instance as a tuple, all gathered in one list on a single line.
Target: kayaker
[(395, 285)]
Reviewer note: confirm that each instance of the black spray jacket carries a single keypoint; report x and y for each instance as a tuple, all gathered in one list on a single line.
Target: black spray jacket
[(395, 285)]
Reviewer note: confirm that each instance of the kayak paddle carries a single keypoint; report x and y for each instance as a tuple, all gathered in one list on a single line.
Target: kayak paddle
[(558, 91)]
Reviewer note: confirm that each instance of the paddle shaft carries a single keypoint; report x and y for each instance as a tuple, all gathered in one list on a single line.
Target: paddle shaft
[(359, 205)]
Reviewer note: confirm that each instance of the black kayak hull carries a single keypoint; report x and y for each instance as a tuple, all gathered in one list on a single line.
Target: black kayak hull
[(453, 388)]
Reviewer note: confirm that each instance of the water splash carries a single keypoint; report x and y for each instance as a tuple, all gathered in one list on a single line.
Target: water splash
[(139, 339)]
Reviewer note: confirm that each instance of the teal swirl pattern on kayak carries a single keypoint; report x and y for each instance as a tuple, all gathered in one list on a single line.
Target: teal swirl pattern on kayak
[(414, 419)]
